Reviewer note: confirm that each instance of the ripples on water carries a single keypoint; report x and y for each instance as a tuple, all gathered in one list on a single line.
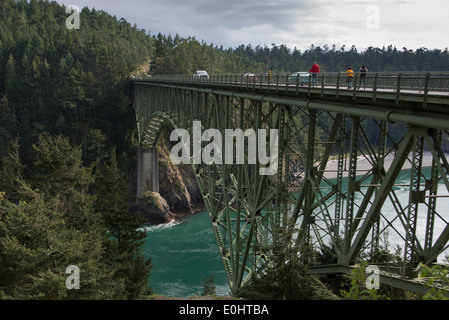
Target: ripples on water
[(161, 227), (183, 253)]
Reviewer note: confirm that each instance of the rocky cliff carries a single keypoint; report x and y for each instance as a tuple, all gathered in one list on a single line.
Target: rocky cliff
[(178, 195)]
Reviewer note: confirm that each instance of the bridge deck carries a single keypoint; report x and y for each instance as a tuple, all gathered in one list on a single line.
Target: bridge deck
[(427, 92), (421, 98)]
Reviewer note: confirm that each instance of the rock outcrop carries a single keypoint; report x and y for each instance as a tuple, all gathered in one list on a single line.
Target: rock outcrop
[(178, 195), (155, 208)]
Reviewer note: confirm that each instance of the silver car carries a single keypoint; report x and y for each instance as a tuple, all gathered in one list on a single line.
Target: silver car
[(301, 77), (201, 74)]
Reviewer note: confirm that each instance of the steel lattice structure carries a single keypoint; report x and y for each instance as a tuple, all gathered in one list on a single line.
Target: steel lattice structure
[(347, 209)]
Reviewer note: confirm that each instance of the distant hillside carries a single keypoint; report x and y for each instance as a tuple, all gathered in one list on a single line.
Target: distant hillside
[(185, 55), (60, 81)]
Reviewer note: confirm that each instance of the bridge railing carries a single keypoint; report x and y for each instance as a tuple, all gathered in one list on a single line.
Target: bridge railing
[(377, 81)]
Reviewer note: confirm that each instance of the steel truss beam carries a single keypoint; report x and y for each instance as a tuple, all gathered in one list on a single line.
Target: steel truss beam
[(347, 208)]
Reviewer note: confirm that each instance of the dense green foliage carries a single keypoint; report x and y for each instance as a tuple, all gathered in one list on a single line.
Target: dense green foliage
[(60, 81), (286, 276), (184, 56), (66, 130), (58, 223)]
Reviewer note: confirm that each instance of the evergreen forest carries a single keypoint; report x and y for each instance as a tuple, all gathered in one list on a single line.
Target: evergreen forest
[(176, 55), (68, 138), (67, 129)]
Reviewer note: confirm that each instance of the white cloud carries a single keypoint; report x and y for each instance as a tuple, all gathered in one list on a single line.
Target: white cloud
[(296, 23)]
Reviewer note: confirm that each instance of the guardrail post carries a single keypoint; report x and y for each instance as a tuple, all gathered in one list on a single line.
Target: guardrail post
[(297, 85), (426, 89), (375, 86), (338, 85), (354, 95), (277, 83), (309, 84), (398, 87), (322, 85), (268, 81)]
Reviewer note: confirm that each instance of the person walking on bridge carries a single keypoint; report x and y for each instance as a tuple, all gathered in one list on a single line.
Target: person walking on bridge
[(363, 71), (349, 76), (314, 71)]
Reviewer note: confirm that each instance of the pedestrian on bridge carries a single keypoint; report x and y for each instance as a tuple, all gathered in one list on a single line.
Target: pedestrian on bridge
[(349, 76), (314, 71), (363, 71)]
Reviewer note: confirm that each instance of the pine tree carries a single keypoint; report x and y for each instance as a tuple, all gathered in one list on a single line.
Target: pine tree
[(11, 80), (36, 247), (57, 226), (8, 125), (124, 226), (11, 170), (285, 278)]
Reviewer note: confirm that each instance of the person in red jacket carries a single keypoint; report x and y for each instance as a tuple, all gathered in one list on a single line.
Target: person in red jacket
[(314, 71)]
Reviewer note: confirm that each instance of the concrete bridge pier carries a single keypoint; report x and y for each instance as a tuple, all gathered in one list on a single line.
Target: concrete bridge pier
[(147, 171)]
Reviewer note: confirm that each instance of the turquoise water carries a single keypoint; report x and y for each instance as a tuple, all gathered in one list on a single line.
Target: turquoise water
[(184, 253)]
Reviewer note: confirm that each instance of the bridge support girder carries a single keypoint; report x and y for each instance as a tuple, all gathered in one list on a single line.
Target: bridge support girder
[(147, 170)]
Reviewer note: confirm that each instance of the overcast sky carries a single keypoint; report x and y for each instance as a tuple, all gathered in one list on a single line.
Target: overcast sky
[(296, 23)]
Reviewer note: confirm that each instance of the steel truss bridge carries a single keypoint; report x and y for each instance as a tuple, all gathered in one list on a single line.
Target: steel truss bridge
[(336, 185)]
